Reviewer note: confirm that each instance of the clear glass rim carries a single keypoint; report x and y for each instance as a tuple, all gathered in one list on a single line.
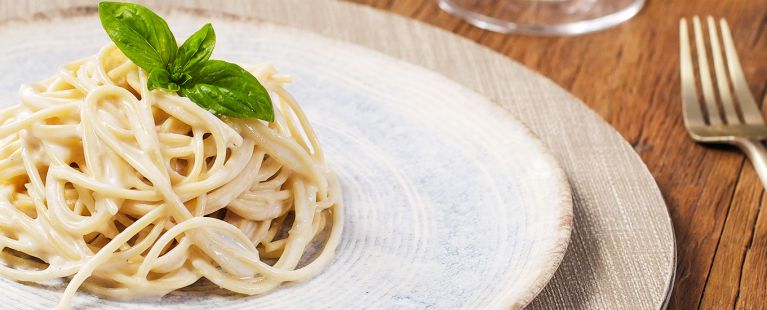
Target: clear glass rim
[(566, 29)]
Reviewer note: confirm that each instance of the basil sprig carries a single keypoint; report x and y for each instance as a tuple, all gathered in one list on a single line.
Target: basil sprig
[(218, 86)]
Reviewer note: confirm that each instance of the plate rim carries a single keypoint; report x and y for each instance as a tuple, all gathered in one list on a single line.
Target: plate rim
[(566, 218)]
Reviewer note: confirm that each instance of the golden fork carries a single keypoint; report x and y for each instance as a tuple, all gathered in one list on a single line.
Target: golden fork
[(745, 130)]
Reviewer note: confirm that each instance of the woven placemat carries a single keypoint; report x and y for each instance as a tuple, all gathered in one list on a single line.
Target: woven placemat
[(622, 252)]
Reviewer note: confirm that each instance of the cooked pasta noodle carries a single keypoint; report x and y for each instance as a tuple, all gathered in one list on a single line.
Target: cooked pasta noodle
[(133, 193)]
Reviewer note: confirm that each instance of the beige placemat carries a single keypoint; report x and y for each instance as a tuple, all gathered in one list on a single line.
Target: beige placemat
[(622, 253)]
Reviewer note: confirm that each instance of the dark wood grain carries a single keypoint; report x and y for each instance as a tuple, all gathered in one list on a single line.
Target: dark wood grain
[(629, 75)]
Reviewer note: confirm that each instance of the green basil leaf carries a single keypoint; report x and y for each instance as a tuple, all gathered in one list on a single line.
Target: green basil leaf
[(230, 90), (180, 78), (160, 78), (195, 51), (212, 99), (139, 33)]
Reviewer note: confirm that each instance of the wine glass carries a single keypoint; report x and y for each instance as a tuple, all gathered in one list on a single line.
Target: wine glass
[(543, 17)]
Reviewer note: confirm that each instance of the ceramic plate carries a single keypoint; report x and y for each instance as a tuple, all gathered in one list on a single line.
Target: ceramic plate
[(450, 202)]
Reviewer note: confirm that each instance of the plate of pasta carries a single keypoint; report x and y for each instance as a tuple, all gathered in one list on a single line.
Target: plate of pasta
[(192, 160)]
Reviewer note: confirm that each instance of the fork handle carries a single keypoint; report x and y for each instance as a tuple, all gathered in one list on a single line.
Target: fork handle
[(757, 153)]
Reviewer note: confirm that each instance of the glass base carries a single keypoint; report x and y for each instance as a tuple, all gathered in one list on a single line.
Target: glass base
[(543, 17)]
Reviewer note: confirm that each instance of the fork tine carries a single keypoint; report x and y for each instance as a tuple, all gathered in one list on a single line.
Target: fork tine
[(751, 113), (705, 76), (721, 75), (693, 116)]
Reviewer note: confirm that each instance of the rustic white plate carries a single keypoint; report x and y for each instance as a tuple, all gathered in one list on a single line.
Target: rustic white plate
[(451, 203)]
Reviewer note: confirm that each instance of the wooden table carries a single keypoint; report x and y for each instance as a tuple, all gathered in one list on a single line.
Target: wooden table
[(629, 75)]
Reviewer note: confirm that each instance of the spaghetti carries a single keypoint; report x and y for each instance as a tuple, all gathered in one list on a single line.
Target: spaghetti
[(134, 193)]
